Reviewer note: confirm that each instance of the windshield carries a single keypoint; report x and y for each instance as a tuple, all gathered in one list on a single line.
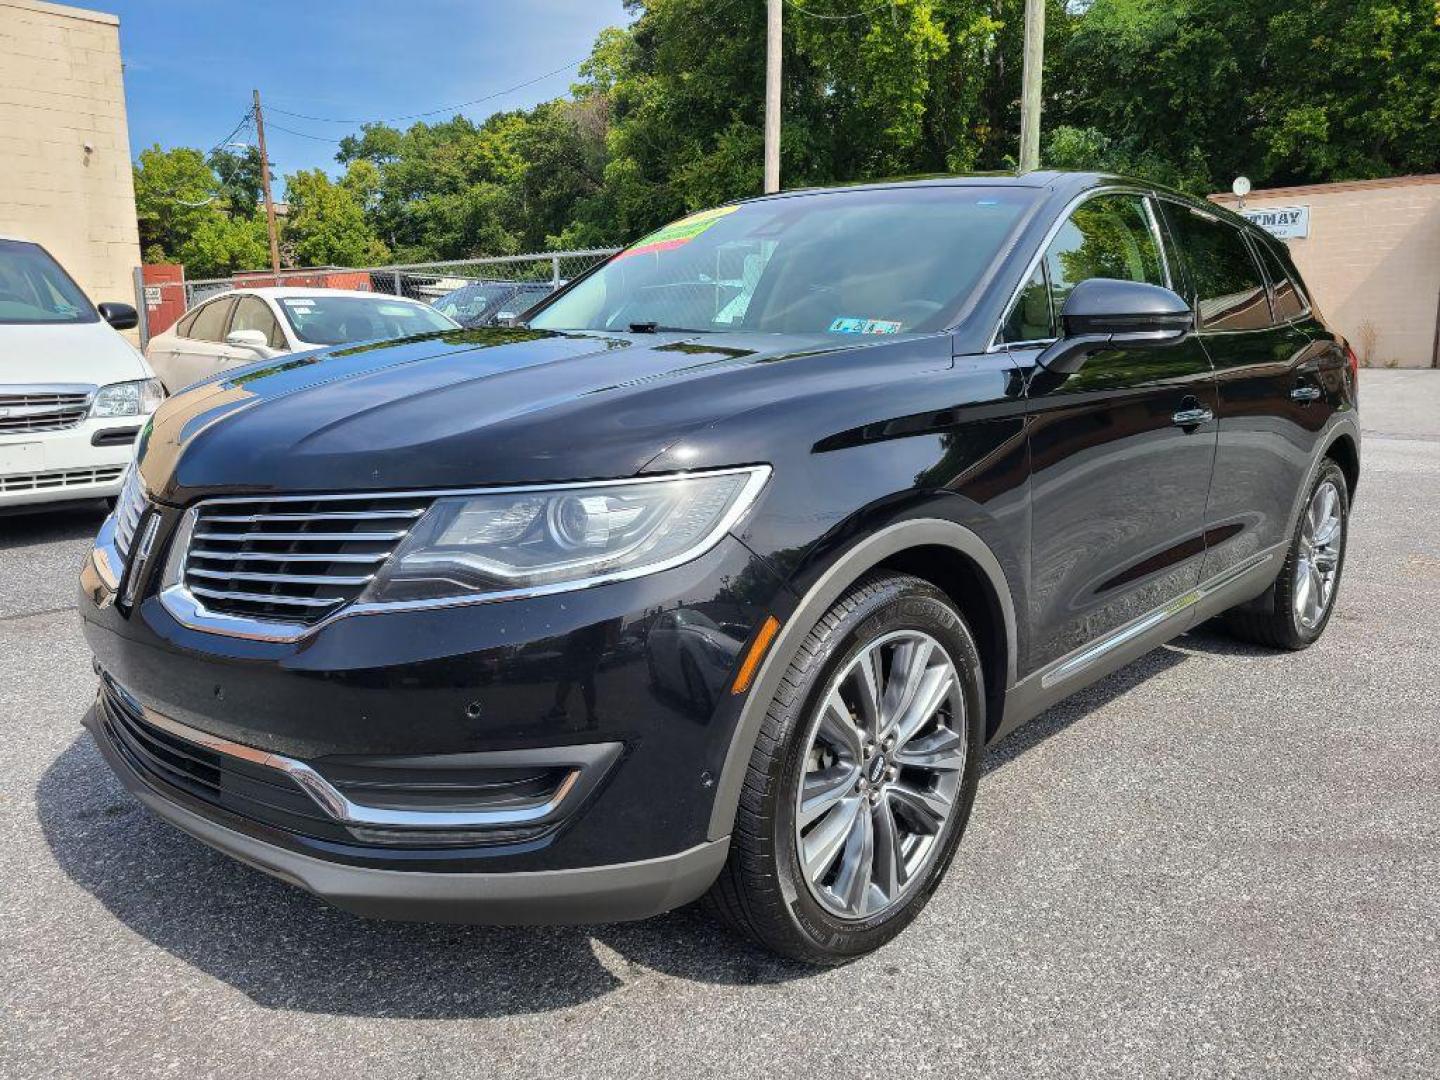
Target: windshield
[(340, 320), (878, 261), (33, 288), (473, 301)]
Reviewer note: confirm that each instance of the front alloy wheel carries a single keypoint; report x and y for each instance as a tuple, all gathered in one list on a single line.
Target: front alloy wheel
[(883, 765), (862, 776)]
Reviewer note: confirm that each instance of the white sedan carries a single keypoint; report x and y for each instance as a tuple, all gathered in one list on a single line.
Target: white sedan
[(246, 325)]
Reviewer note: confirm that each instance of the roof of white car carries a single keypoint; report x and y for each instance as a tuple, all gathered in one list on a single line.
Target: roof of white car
[(290, 292)]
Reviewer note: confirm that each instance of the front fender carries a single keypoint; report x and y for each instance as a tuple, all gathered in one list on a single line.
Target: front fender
[(819, 583)]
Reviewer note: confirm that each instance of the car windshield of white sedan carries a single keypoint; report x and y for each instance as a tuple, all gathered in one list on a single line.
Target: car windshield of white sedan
[(33, 288), (868, 261), (342, 320)]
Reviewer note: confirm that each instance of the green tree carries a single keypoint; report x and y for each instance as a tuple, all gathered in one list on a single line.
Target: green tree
[(219, 245), (326, 225), (175, 192), (1279, 91), (239, 179)]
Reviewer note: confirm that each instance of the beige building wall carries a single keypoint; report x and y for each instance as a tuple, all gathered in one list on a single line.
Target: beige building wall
[(1372, 261), (61, 90)]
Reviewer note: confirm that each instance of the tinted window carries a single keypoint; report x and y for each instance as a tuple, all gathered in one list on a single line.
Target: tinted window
[(878, 261), (474, 302), (1285, 297), (1030, 318), (33, 288), (252, 313), (1229, 291), (209, 324), (341, 320), (1108, 236)]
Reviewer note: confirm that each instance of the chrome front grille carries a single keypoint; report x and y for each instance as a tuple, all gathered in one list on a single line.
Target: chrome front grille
[(293, 559), (29, 413)]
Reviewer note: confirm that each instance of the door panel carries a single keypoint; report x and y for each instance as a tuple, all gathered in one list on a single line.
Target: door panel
[(1266, 439), (195, 356), (1119, 479), (1270, 407), (1118, 491)]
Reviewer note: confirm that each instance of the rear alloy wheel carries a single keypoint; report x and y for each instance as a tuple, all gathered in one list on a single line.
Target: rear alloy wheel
[(862, 776), (1294, 612)]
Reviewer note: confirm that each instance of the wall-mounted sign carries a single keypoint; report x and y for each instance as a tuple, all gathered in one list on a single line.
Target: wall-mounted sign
[(152, 296), (1284, 222)]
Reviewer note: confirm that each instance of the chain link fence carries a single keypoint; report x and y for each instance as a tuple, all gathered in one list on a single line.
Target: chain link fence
[(487, 289)]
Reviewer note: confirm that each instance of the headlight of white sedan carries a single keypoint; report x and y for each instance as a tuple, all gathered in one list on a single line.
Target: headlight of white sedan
[(523, 541), (139, 398)]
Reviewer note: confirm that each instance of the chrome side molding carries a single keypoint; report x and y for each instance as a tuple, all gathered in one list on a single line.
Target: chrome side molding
[(1068, 667)]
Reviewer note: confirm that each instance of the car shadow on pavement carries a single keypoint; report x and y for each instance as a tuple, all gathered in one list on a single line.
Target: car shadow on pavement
[(288, 950), (73, 521)]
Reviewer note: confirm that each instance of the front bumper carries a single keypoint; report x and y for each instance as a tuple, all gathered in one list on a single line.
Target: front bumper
[(66, 466), (592, 894), (548, 676)]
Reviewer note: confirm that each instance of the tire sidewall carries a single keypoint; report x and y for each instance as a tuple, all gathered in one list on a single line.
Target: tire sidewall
[(1285, 594), (903, 604)]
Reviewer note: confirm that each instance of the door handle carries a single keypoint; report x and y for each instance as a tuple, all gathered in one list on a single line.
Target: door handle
[(1305, 393), (1187, 418)]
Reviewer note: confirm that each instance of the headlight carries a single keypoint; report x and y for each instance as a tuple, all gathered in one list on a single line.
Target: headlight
[(546, 539), (138, 398)]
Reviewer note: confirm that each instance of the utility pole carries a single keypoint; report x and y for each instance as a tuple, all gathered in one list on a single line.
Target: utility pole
[(772, 95), (1030, 85), (265, 187)]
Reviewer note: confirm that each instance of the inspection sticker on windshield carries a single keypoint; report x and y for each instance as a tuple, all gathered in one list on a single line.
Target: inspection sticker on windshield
[(864, 326), (678, 233)]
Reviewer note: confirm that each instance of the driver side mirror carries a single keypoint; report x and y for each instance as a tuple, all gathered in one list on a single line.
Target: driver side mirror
[(120, 316), (1105, 313), (248, 339)]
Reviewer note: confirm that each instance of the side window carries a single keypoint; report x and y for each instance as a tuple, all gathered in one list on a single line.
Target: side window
[(1229, 291), (1030, 318), (1108, 236), (182, 329), (209, 324), (252, 313), (1286, 299)]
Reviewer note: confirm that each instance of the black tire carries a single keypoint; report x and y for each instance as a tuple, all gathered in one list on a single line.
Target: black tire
[(762, 893), (1272, 619)]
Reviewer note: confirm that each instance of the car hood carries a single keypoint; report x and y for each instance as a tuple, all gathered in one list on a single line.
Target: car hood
[(457, 409), (90, 354)]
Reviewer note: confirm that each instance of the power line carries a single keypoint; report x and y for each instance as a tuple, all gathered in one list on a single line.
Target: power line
[(794, 6), (244, 120), (431, 112), (303, 134)]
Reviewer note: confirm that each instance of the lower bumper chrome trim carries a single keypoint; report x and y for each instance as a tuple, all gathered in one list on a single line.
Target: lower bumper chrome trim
[(590, 894), (345, 811)]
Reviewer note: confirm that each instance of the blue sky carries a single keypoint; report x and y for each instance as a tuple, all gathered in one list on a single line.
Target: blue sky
[(190, 66)]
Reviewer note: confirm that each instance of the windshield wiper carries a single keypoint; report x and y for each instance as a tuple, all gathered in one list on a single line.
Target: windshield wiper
[(656, 328)]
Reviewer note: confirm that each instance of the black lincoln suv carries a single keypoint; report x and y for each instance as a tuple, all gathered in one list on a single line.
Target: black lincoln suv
[(717, 576)]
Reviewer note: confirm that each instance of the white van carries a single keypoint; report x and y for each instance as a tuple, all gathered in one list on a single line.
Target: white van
[(74, 394)]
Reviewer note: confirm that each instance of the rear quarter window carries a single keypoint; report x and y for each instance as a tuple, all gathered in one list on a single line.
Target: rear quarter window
[(1287, 299)]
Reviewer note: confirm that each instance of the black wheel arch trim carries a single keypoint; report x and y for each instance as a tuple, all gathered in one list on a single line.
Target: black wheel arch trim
[(832, 584), (1343, 426)]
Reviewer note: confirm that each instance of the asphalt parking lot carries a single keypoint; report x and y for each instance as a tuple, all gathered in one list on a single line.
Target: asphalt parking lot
[(1220, 861)]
